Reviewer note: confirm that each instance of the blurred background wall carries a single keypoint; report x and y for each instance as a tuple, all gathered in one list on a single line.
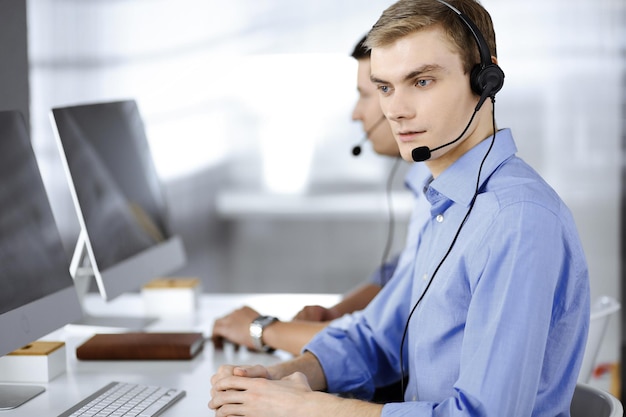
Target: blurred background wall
[(247, 106)]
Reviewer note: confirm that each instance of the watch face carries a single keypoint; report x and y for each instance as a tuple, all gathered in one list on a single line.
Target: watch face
[(256, 330)]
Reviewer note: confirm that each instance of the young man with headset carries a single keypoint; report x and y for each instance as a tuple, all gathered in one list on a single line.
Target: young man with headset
[(488, 310)]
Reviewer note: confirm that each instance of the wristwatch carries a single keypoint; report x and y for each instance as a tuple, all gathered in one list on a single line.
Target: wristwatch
[(256, 332)]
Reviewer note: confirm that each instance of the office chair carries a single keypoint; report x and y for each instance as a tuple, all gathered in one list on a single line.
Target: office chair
[(589, 401), (601, 312)]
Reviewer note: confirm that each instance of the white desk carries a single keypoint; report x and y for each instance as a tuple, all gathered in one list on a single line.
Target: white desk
[(84, 377)]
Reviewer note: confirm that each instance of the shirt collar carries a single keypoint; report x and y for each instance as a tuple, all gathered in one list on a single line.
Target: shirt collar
[(458, 181), (417, 178)]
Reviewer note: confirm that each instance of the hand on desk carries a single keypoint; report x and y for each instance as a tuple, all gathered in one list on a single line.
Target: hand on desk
[(250, 391), (235, 327), (289, 388), (287, 336)]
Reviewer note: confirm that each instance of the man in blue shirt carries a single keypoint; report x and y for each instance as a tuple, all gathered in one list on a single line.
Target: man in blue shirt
[(488, 310)]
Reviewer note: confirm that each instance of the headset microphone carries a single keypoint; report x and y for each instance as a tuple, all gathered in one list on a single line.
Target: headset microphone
[(356, 151), (423, 153)]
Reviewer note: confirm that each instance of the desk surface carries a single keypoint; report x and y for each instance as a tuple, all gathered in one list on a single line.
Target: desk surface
[(84, 377)]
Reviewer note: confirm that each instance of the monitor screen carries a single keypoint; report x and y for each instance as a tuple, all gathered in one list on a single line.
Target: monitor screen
[(117, 194), (38, 294)]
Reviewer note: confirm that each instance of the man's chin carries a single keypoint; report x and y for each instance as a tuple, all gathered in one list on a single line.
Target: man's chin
[(406, 153)]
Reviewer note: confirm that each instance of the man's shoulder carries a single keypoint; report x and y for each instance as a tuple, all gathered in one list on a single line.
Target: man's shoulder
[(517, 182)]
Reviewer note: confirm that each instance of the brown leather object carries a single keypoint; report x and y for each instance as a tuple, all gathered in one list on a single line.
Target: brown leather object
[(141, 346)]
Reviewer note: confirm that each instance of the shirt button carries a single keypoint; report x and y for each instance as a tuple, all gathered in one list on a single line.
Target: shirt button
[(414, 398), (425, 277), (439, 218)]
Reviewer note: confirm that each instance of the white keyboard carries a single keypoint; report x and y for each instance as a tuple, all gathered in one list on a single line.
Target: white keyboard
[(120, 399)]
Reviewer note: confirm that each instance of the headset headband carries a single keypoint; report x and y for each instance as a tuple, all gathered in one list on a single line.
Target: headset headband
[(483, 48)]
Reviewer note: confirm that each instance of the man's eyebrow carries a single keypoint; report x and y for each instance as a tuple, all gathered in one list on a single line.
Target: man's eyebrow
[(377, 80), (411, 75), (421, 70)]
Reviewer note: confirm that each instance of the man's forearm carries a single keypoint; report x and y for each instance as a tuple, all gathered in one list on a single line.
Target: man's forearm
[(356, 300), (291, 336), (330, 405)]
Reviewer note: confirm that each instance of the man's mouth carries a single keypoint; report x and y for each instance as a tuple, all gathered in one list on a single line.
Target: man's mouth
[(409, 135)]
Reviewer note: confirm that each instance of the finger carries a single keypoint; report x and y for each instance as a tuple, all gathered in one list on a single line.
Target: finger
[(255, 371), (221, 398), (299, 315), (222, 372), (230, 410), (232, 383), (240, 371), (218, 341)]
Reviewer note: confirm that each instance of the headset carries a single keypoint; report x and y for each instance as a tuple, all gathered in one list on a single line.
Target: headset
[(486, 79)]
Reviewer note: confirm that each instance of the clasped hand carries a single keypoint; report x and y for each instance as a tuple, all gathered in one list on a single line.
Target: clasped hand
[(251, 391)]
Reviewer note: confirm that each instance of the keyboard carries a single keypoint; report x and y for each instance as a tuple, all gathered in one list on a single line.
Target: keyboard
[(121, 399)]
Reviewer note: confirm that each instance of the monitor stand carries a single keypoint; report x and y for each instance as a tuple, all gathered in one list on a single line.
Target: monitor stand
[(82, 273), (12, 396)]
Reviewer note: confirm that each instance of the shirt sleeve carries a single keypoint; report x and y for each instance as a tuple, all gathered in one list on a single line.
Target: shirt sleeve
[(362, 353)]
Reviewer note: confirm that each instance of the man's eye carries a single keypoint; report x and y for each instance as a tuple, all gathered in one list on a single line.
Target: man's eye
[(383, 89), (423, 83)]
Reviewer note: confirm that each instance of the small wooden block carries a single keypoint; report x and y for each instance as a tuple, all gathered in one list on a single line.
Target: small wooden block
[(40, 361), (38, 348), (164, 283)]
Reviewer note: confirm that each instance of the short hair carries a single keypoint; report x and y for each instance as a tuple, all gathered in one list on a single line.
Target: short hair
[(408, 16), (361, 51)]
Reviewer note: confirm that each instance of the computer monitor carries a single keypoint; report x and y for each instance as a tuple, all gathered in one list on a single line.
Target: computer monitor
[(125, 240), (37, 295)]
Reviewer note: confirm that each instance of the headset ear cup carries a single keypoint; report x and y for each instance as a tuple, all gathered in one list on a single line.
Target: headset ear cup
[(477, 88), (491, 77)]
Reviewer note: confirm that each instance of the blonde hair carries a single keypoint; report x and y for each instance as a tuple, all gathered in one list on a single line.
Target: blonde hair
[(408, 16)]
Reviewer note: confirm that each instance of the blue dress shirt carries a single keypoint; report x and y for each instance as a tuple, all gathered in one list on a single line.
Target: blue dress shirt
[(501, 330)]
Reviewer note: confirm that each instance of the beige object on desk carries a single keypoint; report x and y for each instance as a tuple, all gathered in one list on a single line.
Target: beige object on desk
[(171, 296), (39, 361), (173, 283)]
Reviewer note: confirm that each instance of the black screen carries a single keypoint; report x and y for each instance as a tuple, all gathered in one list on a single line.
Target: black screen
[(33, 263)]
